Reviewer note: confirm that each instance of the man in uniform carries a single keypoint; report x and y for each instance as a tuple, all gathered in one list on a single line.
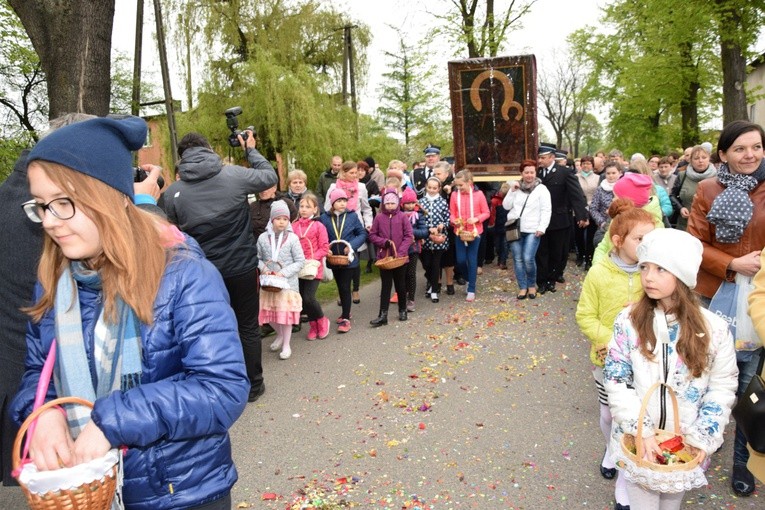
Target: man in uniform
[(420, 176), (565, 196)]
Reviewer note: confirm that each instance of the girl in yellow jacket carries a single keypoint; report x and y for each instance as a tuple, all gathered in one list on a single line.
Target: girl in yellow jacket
[(610, 285)]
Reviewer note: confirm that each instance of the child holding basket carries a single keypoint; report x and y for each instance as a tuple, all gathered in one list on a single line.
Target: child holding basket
[(666, 337)]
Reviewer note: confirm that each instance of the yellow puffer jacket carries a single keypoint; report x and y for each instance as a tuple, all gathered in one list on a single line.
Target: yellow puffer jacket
[(607, 289), (604, 247)]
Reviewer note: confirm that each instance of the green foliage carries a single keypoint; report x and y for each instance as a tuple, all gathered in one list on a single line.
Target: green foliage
[(481, 27), (122, 85), (23, 96), (409, 104), (280, 61), (657, 66), (10, 148)]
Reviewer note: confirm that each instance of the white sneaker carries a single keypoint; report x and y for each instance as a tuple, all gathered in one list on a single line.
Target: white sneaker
[(286, 353), (470, 297), (276, 344)]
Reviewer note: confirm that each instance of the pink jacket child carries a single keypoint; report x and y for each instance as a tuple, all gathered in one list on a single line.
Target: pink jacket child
[(313, 239), (463, 211)]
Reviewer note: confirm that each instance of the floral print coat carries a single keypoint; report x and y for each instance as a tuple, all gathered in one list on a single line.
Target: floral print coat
[(704, 402)]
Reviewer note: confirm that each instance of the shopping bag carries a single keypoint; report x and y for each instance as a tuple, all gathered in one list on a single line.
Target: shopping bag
[(724, 304), (745, 334)]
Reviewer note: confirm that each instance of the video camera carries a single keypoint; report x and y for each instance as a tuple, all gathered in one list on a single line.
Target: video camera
[(140, 175), (232, 122)]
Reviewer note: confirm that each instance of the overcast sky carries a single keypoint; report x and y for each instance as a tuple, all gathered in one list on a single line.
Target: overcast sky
[(543, 34)]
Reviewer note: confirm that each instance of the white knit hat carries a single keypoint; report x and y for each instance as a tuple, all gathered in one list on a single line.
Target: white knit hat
[(675, 250)]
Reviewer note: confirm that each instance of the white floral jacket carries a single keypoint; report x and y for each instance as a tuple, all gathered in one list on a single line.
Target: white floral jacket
[(704, 402)]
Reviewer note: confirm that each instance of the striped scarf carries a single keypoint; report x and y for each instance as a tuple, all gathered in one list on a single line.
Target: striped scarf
[(116, 353)]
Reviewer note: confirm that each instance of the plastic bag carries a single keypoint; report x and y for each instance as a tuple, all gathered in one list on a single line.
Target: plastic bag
[(743, 331)]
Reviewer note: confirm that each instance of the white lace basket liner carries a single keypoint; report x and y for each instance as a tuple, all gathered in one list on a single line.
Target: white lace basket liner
[(663, 478), (95, 485)]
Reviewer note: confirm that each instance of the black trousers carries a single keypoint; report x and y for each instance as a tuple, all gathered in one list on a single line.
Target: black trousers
[(585, 244), (356, 277), (223, 503), (343, 280), (431, 263), (552, 255), (393, 278), (311, 306), (243, 291), (411, 276)]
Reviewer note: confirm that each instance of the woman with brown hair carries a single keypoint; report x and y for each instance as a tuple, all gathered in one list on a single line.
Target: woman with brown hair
[(727, 215)]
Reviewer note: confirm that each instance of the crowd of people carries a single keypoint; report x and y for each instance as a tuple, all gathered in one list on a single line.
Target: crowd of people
[(156, 305)]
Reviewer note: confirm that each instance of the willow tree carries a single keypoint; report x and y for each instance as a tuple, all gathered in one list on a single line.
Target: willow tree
[(282, 62)]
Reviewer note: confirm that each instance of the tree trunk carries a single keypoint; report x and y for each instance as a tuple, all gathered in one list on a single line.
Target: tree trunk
[(73, 39), (690, 116), (734, 104), (733, 64)]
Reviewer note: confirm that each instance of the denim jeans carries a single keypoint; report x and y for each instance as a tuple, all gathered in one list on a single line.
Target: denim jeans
[(746, 370), (524, 250), (467, 260)]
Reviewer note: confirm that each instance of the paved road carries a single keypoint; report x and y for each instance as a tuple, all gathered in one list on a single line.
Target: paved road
[(486, 405)]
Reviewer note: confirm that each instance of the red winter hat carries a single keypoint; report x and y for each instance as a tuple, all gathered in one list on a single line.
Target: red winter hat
[(636, 187)]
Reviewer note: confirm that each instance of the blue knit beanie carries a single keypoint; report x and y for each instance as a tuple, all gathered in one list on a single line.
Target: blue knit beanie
[(100, 148)]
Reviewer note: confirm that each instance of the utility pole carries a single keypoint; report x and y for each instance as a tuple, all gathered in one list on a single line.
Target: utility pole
[(136, 97), (166, 81), (135, 104)]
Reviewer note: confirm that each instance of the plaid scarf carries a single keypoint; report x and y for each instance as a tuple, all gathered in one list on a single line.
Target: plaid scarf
[(116, 347)]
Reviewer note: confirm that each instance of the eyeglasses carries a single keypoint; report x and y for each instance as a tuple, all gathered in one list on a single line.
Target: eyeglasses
[(62, 208)]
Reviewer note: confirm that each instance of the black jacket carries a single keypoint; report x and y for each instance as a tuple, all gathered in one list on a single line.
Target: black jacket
[(210, 204), (566, 195)]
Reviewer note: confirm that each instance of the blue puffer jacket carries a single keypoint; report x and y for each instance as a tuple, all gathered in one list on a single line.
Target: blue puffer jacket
[(193, 387)]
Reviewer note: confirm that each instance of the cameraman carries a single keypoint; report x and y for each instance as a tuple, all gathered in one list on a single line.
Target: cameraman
[(209, 203)]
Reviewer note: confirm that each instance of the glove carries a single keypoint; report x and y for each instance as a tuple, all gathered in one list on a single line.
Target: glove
[(388, 243)]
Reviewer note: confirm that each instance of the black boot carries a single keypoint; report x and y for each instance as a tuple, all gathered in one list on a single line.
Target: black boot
[(381, 319), (402, 314)]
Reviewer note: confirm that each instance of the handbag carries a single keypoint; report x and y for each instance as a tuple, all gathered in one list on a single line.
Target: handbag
[(749, 411), (327, 275), (513, 229)]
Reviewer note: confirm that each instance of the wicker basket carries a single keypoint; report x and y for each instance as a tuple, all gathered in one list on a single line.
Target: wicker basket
[(96, 495), (468, 235), (439, 238), (392, 261), (629, 441), (338, 260), (270, 282)]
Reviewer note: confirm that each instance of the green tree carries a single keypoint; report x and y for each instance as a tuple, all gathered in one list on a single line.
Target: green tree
[(281, 61), (483, 32), (22, 91), (73, 42), (656, 67), (738, 25), (408, 103)]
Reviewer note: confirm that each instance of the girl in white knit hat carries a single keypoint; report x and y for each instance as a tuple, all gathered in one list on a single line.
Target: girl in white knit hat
[(281, 256), (667, 337)]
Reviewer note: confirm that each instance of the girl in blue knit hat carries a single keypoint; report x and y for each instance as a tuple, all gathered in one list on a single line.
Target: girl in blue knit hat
[(140, 325)]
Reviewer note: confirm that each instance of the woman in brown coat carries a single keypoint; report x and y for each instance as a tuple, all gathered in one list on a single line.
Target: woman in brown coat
[(728, 217)]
